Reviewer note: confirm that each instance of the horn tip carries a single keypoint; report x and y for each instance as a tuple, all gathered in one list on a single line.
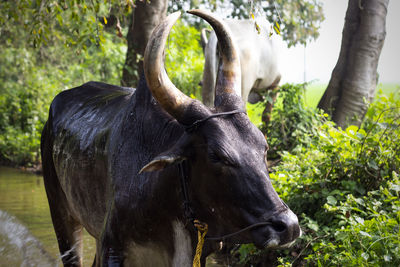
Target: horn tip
[(175, 15), (195, 11)]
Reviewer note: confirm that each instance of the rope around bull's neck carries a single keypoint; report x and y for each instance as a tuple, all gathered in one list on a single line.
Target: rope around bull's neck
[(202, 229)]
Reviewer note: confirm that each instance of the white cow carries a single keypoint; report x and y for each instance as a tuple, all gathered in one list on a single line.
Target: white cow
[(258, 60)]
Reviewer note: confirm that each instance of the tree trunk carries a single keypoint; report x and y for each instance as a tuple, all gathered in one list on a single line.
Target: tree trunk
[(354, 78), (145, 17)]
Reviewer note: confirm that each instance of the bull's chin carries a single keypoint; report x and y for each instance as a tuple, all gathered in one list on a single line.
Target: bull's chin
[(270, 241), (274, 244)]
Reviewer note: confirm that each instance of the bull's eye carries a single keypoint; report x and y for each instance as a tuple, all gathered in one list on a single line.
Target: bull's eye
[(215, 158)]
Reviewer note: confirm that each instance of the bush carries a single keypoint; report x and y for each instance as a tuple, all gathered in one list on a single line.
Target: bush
[(292, 123), (369, 229), (184, 59), (29, 80), (28, 83), (343, 185)]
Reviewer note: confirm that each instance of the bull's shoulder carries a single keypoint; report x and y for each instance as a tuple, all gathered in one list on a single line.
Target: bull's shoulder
[(89, 104)]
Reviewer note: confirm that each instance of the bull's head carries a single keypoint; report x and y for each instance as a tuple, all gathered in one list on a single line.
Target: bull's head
[(229, 182)]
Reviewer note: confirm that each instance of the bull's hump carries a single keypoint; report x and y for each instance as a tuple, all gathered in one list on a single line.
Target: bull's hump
[(106, 86), (90, 108)]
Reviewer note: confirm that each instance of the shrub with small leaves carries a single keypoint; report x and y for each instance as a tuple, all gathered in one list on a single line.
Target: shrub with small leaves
[(184, 59), (344, 187), (292, 122), (29, 81)]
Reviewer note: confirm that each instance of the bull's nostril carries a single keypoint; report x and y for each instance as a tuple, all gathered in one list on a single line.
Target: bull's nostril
[(279, 226)]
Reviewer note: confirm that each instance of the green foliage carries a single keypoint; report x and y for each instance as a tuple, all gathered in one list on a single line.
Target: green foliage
[(30, 78), (369, 229), (344, 186), (292, 123), (77, 23), (73, 23), (299, 20), (28, 83), (184, 59)]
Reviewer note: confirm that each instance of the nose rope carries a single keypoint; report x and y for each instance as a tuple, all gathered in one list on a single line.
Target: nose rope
[(247, 228), (224, 237)]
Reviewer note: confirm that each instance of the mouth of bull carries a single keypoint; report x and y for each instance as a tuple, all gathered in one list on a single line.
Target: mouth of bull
[(280, 232), (277, 233), (269, 238)]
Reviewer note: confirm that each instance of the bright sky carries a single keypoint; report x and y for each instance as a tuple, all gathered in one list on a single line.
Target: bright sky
[(321, 56)]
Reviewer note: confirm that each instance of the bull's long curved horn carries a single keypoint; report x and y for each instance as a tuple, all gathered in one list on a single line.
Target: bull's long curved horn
[(170, 98), (229, 73)]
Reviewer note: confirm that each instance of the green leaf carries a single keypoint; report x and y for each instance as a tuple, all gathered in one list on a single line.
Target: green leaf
[(359, 220), (331, 200), (387, 258), (59, 19), (372, 164), (365, 234), (365, 256)]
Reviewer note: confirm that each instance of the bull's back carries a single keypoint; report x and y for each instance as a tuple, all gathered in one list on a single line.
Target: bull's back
[(80, 123)]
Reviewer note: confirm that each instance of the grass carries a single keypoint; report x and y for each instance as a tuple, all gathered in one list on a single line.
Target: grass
[(313, 94), (389, 88), (315, 91)]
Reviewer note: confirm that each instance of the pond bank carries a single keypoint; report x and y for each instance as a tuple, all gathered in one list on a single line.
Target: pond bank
[(34, 169)]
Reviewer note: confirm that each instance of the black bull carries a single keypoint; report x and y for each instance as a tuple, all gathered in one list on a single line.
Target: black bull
[(111, 156)]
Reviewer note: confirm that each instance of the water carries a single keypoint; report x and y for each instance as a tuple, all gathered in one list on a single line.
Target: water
[(18, 247), (27, 236)]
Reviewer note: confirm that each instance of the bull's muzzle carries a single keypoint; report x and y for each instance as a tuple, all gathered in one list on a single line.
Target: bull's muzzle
[(281, 232)]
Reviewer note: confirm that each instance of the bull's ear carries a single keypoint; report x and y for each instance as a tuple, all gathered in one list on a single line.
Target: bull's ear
[(174, 155), (162, 161)]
